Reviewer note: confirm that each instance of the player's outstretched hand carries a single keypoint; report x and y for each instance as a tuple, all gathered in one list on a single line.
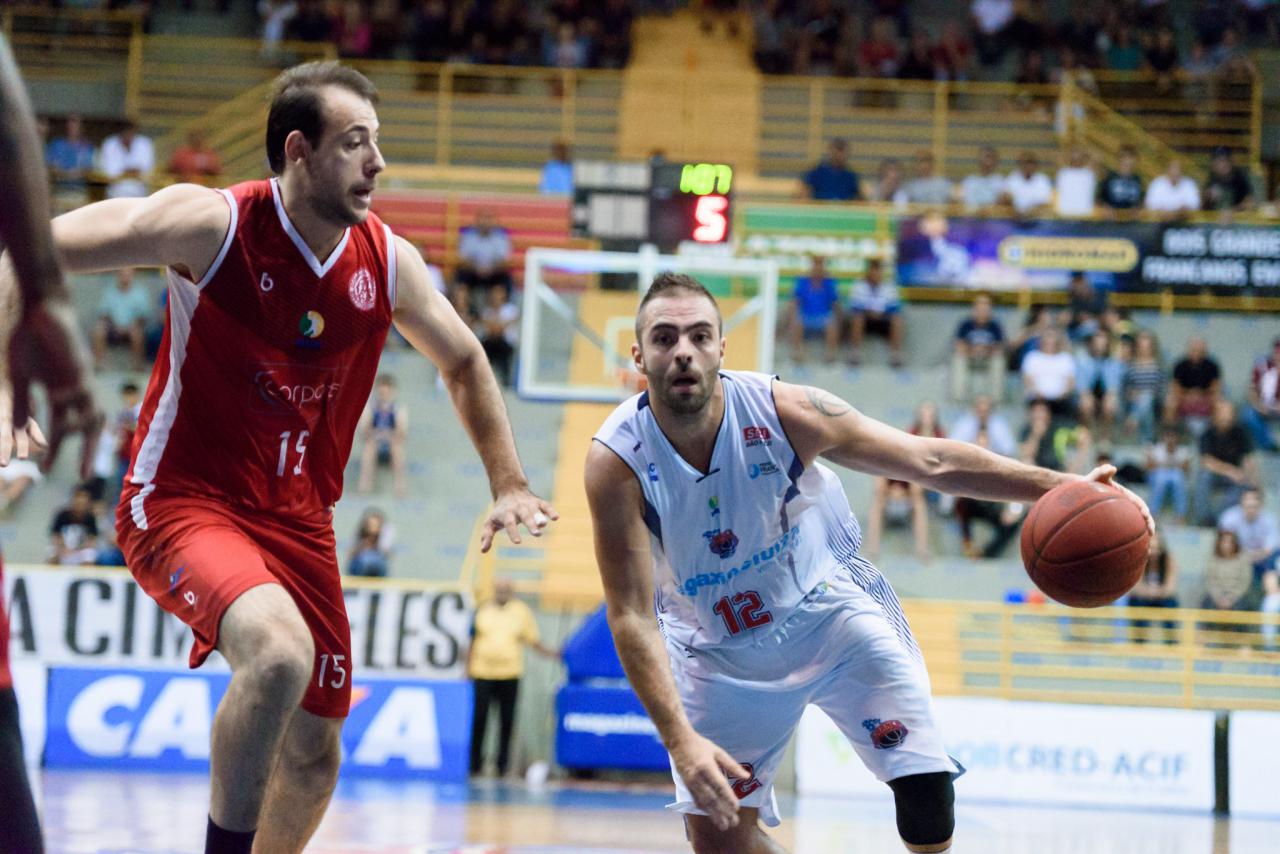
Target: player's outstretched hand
[(705, 769), (16, 444), (1104, 474), (513, 509)]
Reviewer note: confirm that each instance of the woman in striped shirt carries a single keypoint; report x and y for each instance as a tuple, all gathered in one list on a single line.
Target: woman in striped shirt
[(1143, 386)]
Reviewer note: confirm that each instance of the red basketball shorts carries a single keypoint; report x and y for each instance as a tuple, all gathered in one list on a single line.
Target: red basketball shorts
[(197, 556)]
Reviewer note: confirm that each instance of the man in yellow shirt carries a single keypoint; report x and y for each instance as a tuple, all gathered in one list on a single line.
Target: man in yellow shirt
[(503, 627)]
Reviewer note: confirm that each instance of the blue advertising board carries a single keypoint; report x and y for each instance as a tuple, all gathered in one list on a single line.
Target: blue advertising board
[(602, 724)]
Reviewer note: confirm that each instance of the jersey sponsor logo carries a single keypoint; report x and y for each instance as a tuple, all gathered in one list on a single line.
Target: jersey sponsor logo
[(175, 577), (279, 395), (311, 325), (756, 470), (753, 437), (885, 735), (760, 561), (362, 291), (742, 788), (722, 543)]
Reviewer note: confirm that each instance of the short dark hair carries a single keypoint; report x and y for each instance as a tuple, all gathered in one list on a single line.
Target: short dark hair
[(295, 103), (666, 284)]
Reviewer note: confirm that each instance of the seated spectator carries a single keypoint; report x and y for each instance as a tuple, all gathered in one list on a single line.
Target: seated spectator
[(122, 320), (771, 36), (1257, 531), (888, 183), (1099, 382), (1028, 189), (953, 54), (1162, 60), (875, 307), (1228, 580), (1054, 443), (1080, 34), (927, 187), (557, 173), (70, 157), (1085, 307), (1049, 374), (920, 62), (820, 45), (312, 23), (1264, 399), (815, 312), (991, 20), (1270, 606), (984, 188), (1228, 187), (896, 500), (1143, 387), (371, 552), (1172, 193), (1227, 465), (484, 253), (1158, 588), (979, 342), (499, 328), (1196, 387), (1005, 519), (832, 179), (879, 55), (1031, 71), (128, 159), (353, 31), (74, 532), (384, 429), (1122, 188), (1168, 466), (15, 479), (196, 162), (275, 15), (430, 31), (1076, 185), (983, 419), (568, 49)]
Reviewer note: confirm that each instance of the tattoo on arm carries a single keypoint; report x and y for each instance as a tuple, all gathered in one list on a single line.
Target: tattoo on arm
[(826, 403)]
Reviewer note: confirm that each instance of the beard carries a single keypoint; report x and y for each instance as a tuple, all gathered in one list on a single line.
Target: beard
[(683, 404), (331, 200)]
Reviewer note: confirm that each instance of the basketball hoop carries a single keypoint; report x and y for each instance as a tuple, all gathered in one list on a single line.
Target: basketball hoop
[(631, 379)]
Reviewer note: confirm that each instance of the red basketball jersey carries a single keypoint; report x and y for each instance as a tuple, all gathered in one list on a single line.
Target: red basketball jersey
[(265, 366)]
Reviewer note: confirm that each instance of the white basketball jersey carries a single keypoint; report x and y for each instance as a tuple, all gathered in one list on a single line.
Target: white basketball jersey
[(735, 550)]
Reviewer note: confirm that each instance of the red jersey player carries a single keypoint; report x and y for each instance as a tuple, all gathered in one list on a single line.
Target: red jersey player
[(281, 294)]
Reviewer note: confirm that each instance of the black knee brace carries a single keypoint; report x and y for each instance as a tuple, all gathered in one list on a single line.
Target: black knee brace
[(926, 807)]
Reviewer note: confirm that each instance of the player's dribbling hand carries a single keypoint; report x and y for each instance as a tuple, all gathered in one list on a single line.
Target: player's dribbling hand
[(16, 444), (1104, 474), (513, 509), (705, 769)]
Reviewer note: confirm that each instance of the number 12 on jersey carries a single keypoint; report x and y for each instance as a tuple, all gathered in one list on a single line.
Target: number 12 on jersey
[(742, 611)]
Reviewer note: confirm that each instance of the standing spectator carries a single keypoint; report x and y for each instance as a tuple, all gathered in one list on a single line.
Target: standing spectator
[(1122, 188), (503, 626), (1257, 532), (196, 162), (991, 18), (74, 532), (979, 342), (1168, 466), (484, 253), (1172, 193), (1158, 588), (371, 552), (833, 180), (815, 312), (1076, 185), (122, 320), (984, 188), (896, 500), (498, 330), (128, 159), (1264, 399), (1227, 465), (1099, 380), (384, 427), (1196, 387), (984, 419), (1028, 189), (557, 173), (70, 157), (1228, 187), (1049, 374), (876, 308), (1143, 386), (888, 183), (927, 187)]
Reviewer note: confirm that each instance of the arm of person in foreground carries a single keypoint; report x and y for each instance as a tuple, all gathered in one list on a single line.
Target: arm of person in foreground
[(427, 320), (622, 553), (820, 424)]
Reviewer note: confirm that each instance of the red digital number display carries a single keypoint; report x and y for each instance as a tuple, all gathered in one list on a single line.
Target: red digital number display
[(712, 223)]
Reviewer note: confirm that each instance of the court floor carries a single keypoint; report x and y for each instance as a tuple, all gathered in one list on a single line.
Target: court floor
[(90, 812)]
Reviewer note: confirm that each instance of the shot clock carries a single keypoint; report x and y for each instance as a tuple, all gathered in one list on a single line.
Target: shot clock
[(624, 204)]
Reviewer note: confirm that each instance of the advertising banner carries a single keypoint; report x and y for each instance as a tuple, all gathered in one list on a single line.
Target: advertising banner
[(1041, 753), (600, 725), (29, 679), (101, 617), (1254, 756), (789, 234), (160, 720)]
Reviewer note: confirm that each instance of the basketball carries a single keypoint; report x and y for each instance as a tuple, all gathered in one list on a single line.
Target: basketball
[(1084, 544)]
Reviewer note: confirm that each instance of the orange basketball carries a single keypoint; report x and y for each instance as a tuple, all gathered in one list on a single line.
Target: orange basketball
[(1085, 544)]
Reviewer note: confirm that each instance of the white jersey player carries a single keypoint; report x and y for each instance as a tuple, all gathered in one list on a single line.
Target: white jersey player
[(711, 509)]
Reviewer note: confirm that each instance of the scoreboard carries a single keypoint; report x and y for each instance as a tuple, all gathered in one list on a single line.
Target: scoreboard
[(624, 204)]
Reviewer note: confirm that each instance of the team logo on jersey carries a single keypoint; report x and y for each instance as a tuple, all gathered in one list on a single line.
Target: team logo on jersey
[(885, 735), (742, 788), (361, 290), (722, 543), (311, 325), (756, 470), (653, 472), (755, 436)]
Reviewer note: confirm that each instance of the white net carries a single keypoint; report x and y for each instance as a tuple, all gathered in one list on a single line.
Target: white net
[(578, 317)]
